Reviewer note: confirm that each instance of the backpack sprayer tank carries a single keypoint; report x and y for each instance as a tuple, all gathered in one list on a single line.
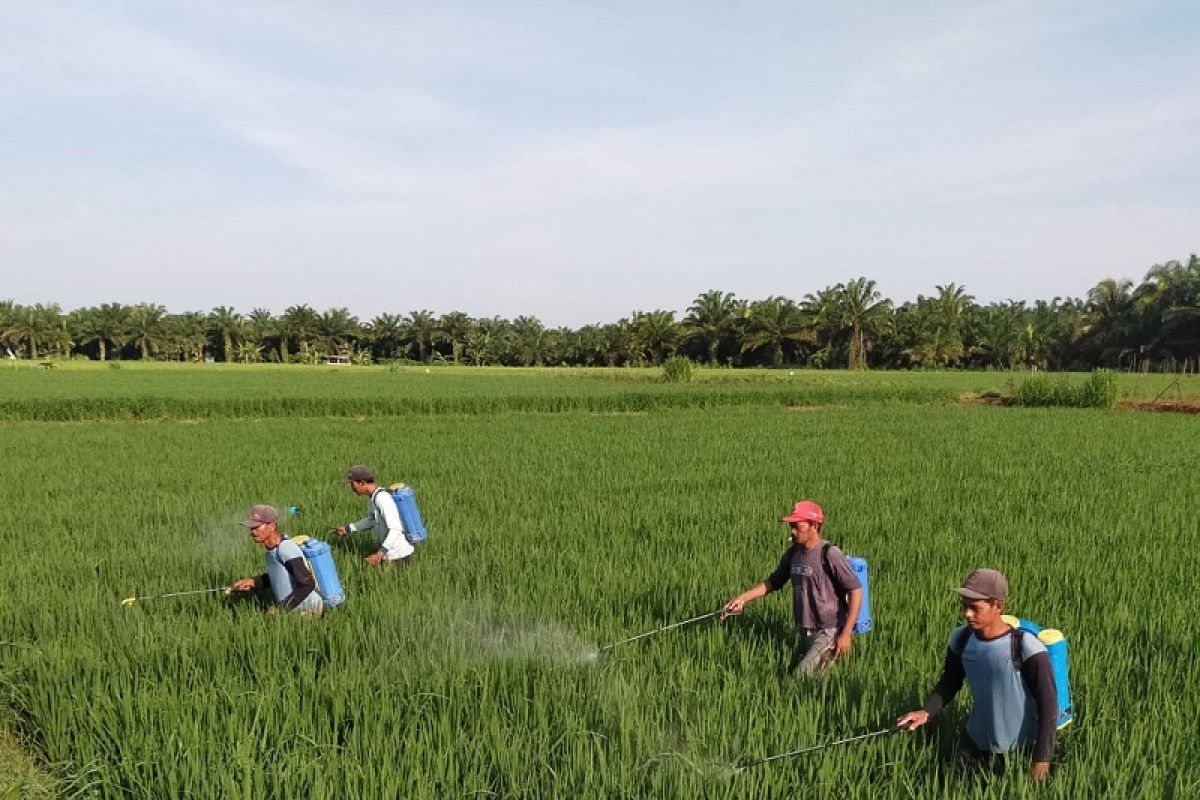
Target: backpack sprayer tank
[(324, 570), (864, 623), (410, 514), (1056, 648)]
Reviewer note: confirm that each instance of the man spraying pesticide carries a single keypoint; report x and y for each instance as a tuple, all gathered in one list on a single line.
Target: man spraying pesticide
[(383, 515), (826, 592), (1011, 679), (288, 575)]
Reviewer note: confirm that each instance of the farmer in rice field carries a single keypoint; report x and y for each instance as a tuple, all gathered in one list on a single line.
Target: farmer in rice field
[(826, 594), (1012, 683), (382, 516), (288, 575)]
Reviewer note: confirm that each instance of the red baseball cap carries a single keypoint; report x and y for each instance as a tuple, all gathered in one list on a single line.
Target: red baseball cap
[(805, 510)]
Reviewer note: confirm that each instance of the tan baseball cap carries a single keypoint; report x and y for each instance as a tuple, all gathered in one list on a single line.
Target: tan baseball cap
[(984, 584), (361, 473), (261, 515)]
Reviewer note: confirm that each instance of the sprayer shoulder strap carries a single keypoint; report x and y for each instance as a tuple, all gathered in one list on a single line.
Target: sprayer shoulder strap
[(1018, 658), (960, 643), (837, 584)]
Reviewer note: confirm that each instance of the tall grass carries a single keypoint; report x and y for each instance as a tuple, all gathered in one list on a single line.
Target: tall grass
[(468, 673), (1098, 390)]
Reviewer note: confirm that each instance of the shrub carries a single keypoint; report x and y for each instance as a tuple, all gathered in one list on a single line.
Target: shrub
[(1098, 391), (677, 369)]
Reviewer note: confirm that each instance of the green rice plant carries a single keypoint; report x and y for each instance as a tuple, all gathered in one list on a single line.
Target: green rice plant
[(677, 369), (473, 672), (1099, 390)]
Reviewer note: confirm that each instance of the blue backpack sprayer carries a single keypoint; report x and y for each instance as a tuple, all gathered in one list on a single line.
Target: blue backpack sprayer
[(863, 623), (410, 514), (1056, 648), (320, 561)]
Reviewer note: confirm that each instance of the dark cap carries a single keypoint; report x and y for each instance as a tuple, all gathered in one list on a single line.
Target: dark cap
[(360, 472), (984, 584), (261, 515)]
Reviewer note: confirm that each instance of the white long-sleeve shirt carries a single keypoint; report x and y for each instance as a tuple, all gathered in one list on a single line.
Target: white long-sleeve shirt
[(384, 517)]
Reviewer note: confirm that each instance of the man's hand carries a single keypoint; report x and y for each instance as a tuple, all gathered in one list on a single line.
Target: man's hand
[(1041, 770), (733, 608), (340, 530), (913, 720), (843, 644), (374, 560), (243, 585)]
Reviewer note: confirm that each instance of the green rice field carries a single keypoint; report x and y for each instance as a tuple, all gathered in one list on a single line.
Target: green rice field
[(568, 509)]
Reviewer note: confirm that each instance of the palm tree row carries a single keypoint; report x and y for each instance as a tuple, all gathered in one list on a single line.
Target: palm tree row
[(1153, 325)]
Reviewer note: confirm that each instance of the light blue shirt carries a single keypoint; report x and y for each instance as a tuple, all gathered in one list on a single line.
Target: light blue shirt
[(1004, 712)]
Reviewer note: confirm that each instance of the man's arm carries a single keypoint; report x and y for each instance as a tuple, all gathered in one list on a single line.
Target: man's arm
[(771, 583), (735, 606), (302, 582), (948, 685), (364, 524), (846, 636), (1039, 678), (250, 584), (942, 695)]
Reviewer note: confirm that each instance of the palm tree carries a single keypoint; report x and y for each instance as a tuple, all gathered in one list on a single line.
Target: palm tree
[(774, 323), (189, 334), (865, 314), (994, 332), (487, 341), (1109, 301), (385, 333), (260, 326), (104, 324), (298, 324), (1108, 319), (247, 352), (615, 342), (654, 334), (454, 328), (337, 329), (530, 340), (932, 339), (146, 328), (932, 329), (711, 318), (7, 312), (1031, 343), (587, 346), (824, 310), (421, 329), (31, 326), (1170, 300), (227, 323), (953, 306)]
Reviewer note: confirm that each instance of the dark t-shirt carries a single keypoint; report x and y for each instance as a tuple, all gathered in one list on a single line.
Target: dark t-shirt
[(816, 601)]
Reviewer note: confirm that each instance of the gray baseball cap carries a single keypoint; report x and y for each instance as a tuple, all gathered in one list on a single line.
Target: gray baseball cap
[(261, 515), (360, 472), (984, 584)]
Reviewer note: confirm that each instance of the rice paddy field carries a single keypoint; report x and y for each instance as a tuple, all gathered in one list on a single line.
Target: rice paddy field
[(567, 510)]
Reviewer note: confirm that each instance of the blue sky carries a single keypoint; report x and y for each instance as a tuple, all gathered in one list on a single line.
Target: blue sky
[(578, 161)]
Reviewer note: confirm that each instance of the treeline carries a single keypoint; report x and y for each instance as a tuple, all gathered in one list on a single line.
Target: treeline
[(1154, 325)]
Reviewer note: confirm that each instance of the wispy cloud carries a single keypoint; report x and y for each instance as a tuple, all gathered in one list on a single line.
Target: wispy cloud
[(453, 135)]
